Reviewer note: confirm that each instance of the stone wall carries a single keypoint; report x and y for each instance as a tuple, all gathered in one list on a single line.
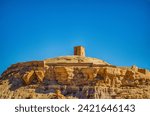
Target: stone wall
[(79, 50), (82, 81)]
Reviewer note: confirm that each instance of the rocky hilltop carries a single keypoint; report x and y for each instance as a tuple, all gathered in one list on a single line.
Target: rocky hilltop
[(74, 77)]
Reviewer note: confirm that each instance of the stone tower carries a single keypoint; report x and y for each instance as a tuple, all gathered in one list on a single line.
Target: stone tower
[(79, 50)]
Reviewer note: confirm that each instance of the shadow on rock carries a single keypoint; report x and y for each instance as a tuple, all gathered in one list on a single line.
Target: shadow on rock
[(44, 90), (15, 83)]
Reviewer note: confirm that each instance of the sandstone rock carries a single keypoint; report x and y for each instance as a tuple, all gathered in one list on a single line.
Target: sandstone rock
[(135, 68), (61, 74), (28, 77), (144, 71), (58, 95), (40, 75), (89, 73), (130, 74), (49, 73), (74, 77)]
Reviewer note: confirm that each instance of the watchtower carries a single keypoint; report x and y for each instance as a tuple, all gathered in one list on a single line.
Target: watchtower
[(79, 50)]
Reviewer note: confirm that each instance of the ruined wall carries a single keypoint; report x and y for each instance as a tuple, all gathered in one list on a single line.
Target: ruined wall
[(79, 81), (78, 75), (79, 50)]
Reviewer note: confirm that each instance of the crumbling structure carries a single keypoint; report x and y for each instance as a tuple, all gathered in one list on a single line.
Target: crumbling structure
[(74, 76)]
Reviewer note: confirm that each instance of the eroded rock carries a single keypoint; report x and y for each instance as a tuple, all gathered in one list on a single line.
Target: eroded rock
[(74, 77)]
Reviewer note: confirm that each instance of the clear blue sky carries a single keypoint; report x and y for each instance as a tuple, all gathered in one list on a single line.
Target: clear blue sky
[(117, 31)]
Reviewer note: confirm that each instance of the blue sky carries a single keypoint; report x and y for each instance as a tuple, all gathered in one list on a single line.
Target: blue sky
[(117, 31)]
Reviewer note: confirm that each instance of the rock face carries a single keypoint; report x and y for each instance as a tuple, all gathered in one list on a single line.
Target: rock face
[(74, 77)]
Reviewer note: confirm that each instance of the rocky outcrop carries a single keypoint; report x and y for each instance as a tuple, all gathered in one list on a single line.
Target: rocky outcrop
[(74, 77), (33, 75), (28, 77), (62, 75)]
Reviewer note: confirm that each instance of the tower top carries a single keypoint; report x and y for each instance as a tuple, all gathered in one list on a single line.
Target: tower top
[(79, 50)]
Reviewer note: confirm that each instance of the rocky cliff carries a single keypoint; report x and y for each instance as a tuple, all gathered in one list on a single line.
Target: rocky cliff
[(74, 77)]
